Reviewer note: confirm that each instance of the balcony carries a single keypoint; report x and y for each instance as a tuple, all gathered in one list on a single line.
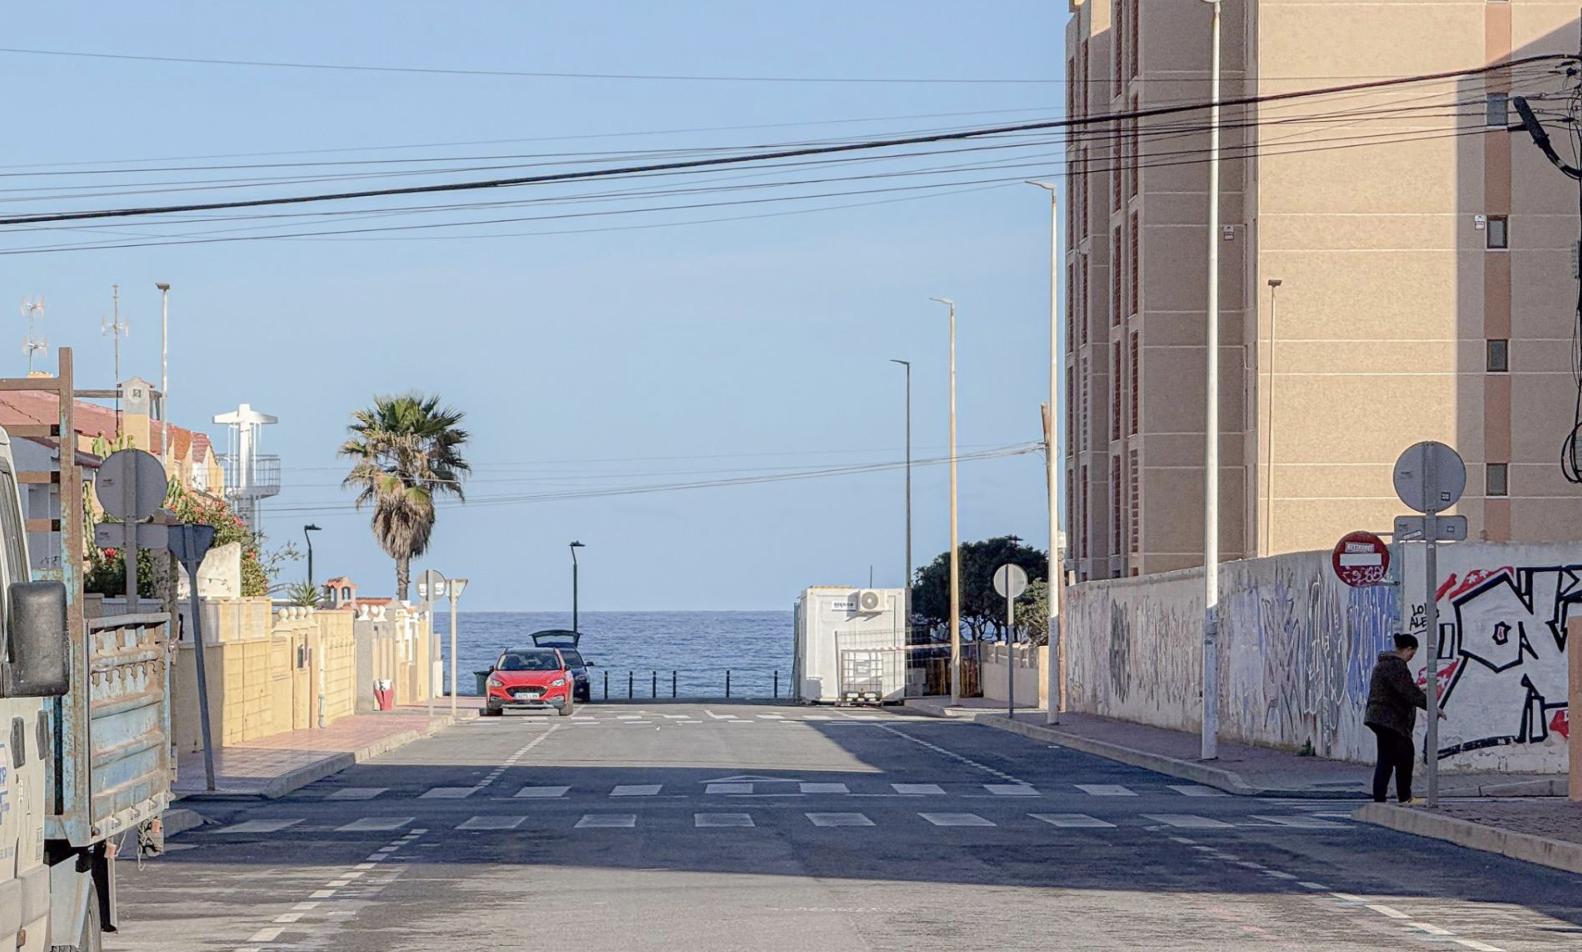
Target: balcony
[(265, 479)]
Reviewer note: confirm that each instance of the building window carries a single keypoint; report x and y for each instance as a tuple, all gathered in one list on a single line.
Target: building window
[(1498, 480), (1497, 110), (1115, 277), (1131, 37), (1117, 522), (1498, 232), (1082, 417), (1082, 297), (1135, 378), (1071, 307), (1132, 142), (1499, 356), (1115, 390), (1120, 18), (1134, 504), (1136, 274), (1083, 551), (1117, 166)]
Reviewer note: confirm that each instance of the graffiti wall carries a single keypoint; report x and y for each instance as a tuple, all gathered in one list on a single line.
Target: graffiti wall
[(1297, 649)]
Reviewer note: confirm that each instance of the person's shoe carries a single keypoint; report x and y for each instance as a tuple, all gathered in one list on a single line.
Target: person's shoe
[(1413, 802)]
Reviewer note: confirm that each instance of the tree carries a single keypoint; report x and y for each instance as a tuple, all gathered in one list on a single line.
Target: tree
[(405, 451), (982, 608), (1032, 613), (304, 594)]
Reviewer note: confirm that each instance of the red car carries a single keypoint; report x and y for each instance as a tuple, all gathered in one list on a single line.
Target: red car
[(534, 679)]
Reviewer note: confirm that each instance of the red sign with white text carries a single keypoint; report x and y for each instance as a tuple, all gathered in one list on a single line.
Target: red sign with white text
[(1361, 559)]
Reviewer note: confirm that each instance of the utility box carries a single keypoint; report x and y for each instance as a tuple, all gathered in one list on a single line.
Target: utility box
[(850, 645)]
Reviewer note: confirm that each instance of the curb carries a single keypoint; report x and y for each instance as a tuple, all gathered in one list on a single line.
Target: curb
[(1518, 846), (180, 820)]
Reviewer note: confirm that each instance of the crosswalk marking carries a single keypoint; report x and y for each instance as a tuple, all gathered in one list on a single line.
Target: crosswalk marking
[(1105, 790), (771, 717), (636, 789), (674, 717), (1011, 789), (493, 823), (818, 717), (627, 717), (371, 823), (1197, 790), (1078, 820), (541, 793), (956, 819), (448, 793), (1188, 821), (1302, 822), (258, 826), (607, 821), (356, 793), (839, 819), (918, 789), (823, 788), (728, 788), (721, 819)]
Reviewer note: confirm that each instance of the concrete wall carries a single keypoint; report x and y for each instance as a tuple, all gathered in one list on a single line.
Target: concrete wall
[(1029, 663), (1298, 647)]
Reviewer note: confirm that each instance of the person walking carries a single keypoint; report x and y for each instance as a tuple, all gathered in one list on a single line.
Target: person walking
[(1393, 701)]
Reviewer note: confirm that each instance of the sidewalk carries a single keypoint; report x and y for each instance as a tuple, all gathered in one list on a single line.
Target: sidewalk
[(1545, 831), (274, 766), (1240, 768)]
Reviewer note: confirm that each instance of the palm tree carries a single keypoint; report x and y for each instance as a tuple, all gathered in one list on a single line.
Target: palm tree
[(405, 450)]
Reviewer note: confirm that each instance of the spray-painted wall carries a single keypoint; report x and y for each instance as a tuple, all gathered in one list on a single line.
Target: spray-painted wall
[(1298, 646)]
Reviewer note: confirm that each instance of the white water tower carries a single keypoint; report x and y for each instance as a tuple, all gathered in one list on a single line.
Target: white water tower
[(250, 477)]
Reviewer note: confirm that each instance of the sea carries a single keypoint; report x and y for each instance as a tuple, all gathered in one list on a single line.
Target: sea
[(644, 651)]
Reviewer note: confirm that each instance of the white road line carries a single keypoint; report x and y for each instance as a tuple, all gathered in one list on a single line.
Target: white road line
[(721, 717), (1275, 873), (635, 723), (449, 793), (1302, 822), (1197, 790), (728, 788), (1429, 928), (288, 917), (1187, 821), (839, 819), (636, 789), (259, 826), (1076, 820), (1318, 886), (940, 750), (918, 789), (707, 820), (493, 823), (305, 906), (321, 894), (1105, 790), (627, 717), (956, 819), (817, 717), (672, 717), (823, 788), (1250, 864), (356, 793), (266, 935), (1011, 789), (371, 823), (1390, 911), (523, 752), (541, 793), (1479, 946), (607, 821)]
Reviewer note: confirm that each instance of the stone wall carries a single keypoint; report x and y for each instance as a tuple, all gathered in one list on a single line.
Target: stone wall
[(1032, 687)]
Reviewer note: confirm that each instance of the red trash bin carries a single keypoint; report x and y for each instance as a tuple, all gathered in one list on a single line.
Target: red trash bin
[(384, 695)]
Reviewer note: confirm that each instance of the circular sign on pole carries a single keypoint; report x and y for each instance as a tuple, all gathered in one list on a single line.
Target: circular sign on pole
[(1361, 560), (1430, 477), (130, 485), (1010, 581), (430, 587)]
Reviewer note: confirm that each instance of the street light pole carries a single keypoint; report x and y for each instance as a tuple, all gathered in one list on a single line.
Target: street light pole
[(955, 538), (906, 599), (164, 384), (455, 587), (307, 533), (1268, 423), (1210, 718), (1057, 574), (574, 547)]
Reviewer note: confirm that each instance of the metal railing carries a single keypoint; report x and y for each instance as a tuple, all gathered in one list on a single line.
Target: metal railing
[(677, 685)]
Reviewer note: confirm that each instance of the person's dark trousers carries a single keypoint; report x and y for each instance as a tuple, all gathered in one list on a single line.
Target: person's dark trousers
[(1395, 756)]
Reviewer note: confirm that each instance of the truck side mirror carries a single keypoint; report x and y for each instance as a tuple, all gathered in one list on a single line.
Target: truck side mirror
[(37, 660)]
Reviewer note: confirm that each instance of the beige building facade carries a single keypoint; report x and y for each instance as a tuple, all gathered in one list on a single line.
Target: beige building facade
[(1395, 266)]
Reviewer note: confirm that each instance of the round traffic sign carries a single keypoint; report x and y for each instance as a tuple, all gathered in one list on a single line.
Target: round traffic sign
[(130, 484), (1361, 559), (1010, 580), (1430, 476)]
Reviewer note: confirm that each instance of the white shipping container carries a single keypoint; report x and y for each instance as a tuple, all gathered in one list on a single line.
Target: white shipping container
[(832, 619)]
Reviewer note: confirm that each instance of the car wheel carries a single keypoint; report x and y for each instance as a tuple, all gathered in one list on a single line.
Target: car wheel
[(567, 708), (492, 710), (92, 939)]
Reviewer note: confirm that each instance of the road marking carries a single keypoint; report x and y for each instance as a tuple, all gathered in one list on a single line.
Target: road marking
[(1250, 864), (635, 723), (1011, 789), (288, 917), (721, 717), (674, 717), (266, 935), (956, 819), (918, 789), (823, 788), (1302, 822), (1479, 946), (542, 793), (259, 826), (636, 790), (1187, 821), (839, 819), (493, 823), (370, 823), (771, 717), (607, 821), (306, 906), (1277, 874), (356, 793), (1197, 790), (321, 894), (1429, 928), (448, 793), (729, 788), (940, 750), (627, 717), (721, 819), (817, 717), (1318, 886), (1392, 912), (1105, 790)]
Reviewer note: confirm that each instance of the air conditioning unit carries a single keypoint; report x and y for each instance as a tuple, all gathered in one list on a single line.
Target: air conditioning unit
[(870, 601)]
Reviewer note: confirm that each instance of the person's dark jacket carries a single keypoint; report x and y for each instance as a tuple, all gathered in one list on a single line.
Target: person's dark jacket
[(1393, 696)]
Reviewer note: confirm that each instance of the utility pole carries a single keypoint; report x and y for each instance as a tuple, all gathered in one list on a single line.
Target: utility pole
[(906, 598), (955, 535), (1268, 422), (164, 379), (1210, 718), (1056, 584), (574, 547), (115, 329)]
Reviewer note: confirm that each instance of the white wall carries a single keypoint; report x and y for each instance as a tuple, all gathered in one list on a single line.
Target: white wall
[(1298, 646), (1031, 685)]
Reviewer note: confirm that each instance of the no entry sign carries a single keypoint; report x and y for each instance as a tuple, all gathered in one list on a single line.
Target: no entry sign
[(1361, 559)]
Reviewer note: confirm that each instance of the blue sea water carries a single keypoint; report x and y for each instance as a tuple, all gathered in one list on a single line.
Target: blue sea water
[(698, 646)]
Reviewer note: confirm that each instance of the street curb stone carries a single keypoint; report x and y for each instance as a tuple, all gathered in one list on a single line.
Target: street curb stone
[(180, 820), (1526, 847)]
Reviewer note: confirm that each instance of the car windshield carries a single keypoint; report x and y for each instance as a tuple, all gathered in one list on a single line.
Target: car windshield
[(573, 659), (542, 660)]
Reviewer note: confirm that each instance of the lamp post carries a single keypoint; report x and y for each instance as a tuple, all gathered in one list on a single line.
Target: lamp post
[(906, 598), (574, 547), (454, 589), (1268, 497), (1210, 718), (1057, 574), (307, 533), (955, 539), (431, 588), (164, 384)]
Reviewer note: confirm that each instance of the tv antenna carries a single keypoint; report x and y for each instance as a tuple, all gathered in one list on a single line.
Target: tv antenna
[(33, 310), (117, 329)]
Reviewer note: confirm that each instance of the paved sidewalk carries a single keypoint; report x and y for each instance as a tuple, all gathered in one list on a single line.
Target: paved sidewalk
[(274, 766), (1240, 768), (1546, 831)]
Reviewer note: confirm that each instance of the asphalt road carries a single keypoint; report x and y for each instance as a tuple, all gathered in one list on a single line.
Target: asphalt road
[(709, 828)]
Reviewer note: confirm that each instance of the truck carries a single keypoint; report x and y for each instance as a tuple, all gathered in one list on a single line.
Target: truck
[(86, 761)]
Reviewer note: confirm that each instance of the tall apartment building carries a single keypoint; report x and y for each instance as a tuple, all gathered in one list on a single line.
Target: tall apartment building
[(1422, 254)]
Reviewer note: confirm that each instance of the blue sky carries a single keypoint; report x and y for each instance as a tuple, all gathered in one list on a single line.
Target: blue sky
[(617, 357)]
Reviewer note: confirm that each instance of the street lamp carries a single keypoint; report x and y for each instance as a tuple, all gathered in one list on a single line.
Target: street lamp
[(307, 533), (906, 599), (164, 384), (574, 547), (1057, 575), (955, 539), (430, 589), (1210, 719), (1268, 497), (454, 589)]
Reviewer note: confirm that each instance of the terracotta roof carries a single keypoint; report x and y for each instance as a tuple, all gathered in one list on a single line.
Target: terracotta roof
[(199, 445), (91, 420), (340, 580)]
